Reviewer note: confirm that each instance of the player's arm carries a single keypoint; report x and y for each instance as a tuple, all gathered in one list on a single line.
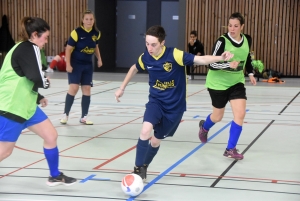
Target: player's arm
[(68, 52), (249, 67), (132, 71), (208, 59), (69, 48), (218, 49), (26, 61), (98, 55), (97, 51)]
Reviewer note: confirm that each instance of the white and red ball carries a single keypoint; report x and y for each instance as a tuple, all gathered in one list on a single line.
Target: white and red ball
[(132, 184)]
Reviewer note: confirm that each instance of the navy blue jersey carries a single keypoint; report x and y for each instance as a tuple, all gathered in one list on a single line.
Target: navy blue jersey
[(84, 43), (167, 78)]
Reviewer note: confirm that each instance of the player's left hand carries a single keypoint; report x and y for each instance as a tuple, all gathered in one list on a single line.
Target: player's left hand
[(227, 55), (99, 63), (44, 102), (252, 79)]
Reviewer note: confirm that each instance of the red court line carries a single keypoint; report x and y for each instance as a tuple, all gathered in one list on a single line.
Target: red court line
[(196, 92), (91, 139), (209, 175), (117, 156), (37, 152), (101, 134), (21, 168), (72, 146), (63, 92), (236, 177), (116, 170), (124, 152)]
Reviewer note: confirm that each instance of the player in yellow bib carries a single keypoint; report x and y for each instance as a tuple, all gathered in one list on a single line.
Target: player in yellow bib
[(227, 84)]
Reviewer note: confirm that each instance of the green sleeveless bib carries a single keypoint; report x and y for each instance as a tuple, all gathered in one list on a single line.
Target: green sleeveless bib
[(16, 94), (224, 78)]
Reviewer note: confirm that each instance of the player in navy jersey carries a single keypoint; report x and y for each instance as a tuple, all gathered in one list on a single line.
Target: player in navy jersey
[(82, 45), (167, 98)]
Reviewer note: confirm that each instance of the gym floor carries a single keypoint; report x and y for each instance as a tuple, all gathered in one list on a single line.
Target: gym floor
[(99, 156)]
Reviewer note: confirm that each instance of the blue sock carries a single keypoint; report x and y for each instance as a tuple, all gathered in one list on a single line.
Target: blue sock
[(234, 135), (152, 151), (68, 104), (141, 151), (208, 123), (52, 159), (85, 104)]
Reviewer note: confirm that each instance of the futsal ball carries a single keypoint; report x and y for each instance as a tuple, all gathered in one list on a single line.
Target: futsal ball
[(132, 184)]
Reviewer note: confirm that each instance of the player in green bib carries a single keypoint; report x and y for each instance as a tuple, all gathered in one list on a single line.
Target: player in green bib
[(20, 77), (225, 83)]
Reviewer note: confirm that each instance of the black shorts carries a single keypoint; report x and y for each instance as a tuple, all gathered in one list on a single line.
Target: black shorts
[(220, 98)]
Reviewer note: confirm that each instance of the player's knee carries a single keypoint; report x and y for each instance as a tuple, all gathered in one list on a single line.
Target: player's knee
[(51, 138), (155, 142), (240, 116), (73, 90), (217, 118), (145, 134), (6, 154)]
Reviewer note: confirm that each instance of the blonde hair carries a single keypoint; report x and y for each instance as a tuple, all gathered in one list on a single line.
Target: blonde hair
[(90, 12)]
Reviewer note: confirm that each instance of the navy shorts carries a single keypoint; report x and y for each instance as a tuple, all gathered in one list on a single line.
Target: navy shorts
[(81, 74), (164, 124), (220, 98), (10, 130)]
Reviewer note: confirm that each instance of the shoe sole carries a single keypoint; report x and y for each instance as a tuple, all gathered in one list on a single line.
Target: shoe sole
[(86, 123), (59, 183), (233, 158)]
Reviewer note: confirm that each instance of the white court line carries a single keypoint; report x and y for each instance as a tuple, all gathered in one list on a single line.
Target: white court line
[(7, 199)]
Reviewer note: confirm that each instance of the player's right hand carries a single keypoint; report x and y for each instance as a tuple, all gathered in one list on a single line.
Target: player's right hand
[(118, 94), (69, 69)]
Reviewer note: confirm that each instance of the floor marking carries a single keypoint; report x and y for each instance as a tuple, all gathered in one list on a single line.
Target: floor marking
[(87, 178), (181, 160), (178, 162)]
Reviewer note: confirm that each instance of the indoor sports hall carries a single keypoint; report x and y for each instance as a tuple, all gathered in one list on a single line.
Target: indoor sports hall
[(99, 156)]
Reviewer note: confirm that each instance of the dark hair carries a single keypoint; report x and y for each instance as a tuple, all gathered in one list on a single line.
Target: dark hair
[(194, 33), (30, 25), (66, 43), (90, 12), (158, 32), (238, 16)]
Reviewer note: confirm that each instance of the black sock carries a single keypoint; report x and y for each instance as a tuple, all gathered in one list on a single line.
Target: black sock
[(85, 104), (69, 103)]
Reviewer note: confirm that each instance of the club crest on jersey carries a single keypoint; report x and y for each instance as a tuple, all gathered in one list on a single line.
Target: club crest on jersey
[(167, 66), (94, 38)]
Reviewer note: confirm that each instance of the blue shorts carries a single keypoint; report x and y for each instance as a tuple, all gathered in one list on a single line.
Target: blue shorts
[(81, 74), (10, 130), (164, 124)]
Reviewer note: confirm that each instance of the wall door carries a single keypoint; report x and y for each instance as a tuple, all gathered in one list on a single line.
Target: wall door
[(131, 27), (169, 20)]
